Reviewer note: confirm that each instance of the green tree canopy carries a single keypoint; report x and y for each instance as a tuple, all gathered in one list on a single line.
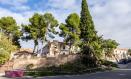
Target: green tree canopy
[(9, 27), (36, 29), (70, 31), (129, 51), (51, 23), (108, 46), (39, 27)]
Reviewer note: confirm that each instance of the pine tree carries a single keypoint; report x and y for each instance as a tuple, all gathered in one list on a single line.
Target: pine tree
[(35, 30), (10, 28), (70, 31), (91, 44), (39, 28)]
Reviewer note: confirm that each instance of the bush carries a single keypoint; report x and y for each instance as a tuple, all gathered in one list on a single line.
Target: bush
[(71, 68), (6, 48), (30, 66), (108, 63), (4, 56), (43, 73)]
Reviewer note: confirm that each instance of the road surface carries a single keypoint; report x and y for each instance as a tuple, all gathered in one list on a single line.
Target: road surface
[(115, 74)]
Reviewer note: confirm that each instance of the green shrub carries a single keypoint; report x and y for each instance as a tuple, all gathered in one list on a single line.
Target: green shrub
[(108, 63), (41, 73), (4, 56), (6, 48), (72, 68), (29, 66)]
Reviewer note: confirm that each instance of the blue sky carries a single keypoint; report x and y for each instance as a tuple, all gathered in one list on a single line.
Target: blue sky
[(111, 17)]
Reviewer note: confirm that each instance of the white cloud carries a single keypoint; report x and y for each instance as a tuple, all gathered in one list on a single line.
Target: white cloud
[(66, 4), (13, 2), (19, 17), (61, 9), (111, 17), (113, 20), (16, 4), (20, 8)]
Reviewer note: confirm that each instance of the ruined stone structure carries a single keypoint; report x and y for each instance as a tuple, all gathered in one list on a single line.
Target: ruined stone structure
[(54, 53), (37, 62), (23, 53), (55, 48)]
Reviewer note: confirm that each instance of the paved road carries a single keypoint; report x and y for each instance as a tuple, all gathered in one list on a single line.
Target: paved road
[(117, 74)]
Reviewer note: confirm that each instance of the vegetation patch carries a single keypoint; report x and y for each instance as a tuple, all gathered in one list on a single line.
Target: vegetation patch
[(6, 48), (71, 68)]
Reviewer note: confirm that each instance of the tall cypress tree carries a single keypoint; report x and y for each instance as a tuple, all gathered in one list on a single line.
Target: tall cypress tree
[(87, 26), (91, 46)]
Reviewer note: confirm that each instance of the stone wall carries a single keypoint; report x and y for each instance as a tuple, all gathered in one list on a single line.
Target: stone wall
[(37, 62)]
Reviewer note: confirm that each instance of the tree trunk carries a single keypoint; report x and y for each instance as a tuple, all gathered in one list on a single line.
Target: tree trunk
[(70, 49), (35, 45), (34, 48), (115, 58), (105, 57), (38, 48)]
